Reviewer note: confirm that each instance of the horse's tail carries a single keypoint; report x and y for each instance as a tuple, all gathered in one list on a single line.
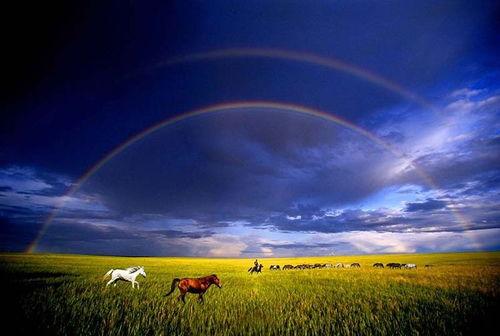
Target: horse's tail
[(106, 275), (174, 282)]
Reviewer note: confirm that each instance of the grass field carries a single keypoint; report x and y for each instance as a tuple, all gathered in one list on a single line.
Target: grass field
[(65, 295)]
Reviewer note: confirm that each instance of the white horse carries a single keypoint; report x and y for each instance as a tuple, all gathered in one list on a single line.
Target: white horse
[(128, 274), (411, 266)]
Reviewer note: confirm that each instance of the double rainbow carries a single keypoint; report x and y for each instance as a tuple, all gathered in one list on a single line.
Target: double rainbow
[(278, 54)]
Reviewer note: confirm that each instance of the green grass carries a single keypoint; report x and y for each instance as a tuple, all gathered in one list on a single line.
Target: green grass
[(65, 294)]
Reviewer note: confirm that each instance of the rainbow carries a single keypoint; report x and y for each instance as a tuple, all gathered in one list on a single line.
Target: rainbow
[(327, 62), (233, 106)]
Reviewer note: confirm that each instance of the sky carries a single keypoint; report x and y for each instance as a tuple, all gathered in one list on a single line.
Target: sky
[(251, 128)]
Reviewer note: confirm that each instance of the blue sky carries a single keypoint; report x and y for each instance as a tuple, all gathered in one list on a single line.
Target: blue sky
[(253, 182)]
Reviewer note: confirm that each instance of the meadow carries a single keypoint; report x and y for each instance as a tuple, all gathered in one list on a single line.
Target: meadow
[(65, 295)]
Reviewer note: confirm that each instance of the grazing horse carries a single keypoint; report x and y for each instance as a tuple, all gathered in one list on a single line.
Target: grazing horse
[(393, 265), (194, 285), (256, 269), (378, 265), (339, 265), (304, 266), (274, 267), (355, 265), (410, 266), (129, 274), (429, 266), (286, 267)]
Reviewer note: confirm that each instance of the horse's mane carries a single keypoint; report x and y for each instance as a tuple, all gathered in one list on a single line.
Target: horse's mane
[(133, 269), (205, 278)]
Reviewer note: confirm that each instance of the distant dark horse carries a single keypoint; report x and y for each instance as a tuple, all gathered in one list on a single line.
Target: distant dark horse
[(393, 265), (256, 269), (194, 285)]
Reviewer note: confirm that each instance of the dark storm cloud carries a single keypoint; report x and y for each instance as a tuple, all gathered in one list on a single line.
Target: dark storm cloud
[(430, 204), (481, 185), (181, 234), (236, 167), (26, 213), (84, 230), (428, 216), (17, 235), (83, 236), (452, 169), (228, 166), (64, 214), (299, 245), (347, 220)]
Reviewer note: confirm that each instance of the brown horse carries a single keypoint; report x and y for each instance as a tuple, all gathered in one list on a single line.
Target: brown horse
[(194, 285)]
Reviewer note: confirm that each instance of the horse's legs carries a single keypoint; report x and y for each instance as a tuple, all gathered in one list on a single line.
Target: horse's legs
[(110, 282), (137, 284), (182, 297), (200, 297)]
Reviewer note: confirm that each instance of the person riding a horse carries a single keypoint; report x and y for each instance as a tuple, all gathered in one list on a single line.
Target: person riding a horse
[(256, 268)]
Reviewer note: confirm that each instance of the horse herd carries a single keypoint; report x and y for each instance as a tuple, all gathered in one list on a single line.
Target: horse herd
[(337, 265)]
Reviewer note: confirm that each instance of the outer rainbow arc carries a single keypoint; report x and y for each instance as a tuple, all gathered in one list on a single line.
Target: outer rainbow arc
[(328, 62), (238, 105)]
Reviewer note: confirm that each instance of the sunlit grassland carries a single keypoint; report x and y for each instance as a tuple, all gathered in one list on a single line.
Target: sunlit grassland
[(65, 294)]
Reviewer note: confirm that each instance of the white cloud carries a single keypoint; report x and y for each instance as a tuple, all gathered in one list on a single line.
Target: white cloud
[(466, 92), (218, 245), (372, 242), (27, 188), (22, 179), (467, 105)]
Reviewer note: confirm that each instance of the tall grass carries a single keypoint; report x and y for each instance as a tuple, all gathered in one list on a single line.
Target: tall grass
[(65, 294)]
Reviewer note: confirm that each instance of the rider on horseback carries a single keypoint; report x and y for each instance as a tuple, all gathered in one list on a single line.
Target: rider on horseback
[(256, 267)]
